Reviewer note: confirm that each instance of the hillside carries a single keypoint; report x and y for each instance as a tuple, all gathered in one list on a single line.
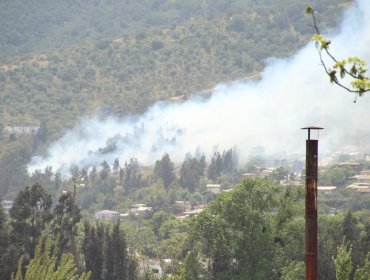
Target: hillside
[(33, 26), (56, 77), (126, 73)]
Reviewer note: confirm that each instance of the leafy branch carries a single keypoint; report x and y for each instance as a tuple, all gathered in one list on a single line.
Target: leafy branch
[(353, 67)]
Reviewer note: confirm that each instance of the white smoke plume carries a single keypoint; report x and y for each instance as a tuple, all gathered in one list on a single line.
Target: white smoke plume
[(291, 94)]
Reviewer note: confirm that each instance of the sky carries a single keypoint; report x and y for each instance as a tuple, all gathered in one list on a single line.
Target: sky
[(292, 93)]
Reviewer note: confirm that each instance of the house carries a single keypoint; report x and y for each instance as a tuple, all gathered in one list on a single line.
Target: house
[(21, 130), (107, 215), (213, 188), (190, 213), (139, 208), (249, 175), (362, 178), (362, 182), (7, 205), (352, 165), (154, 266), (326, 189), (290, 183), (364, 191)]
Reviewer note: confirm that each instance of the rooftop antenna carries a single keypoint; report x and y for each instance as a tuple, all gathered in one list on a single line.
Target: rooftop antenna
[(311, 204)]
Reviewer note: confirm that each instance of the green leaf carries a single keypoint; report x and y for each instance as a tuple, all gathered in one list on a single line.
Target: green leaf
[(309, 9)]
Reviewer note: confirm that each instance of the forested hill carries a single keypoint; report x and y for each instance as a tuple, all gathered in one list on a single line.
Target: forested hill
[(36, 25), (65, 59)]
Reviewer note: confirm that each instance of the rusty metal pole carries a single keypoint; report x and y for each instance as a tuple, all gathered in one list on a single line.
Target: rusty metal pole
[(311, 205)]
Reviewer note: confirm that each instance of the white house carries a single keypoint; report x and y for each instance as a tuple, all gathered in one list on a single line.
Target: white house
[(139, 208), (213, 188), (7, 205), (107, 215)]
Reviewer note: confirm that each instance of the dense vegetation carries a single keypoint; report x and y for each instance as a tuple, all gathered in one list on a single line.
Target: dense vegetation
[(34, 26), (255, 231), (69, 60), (119, 69)]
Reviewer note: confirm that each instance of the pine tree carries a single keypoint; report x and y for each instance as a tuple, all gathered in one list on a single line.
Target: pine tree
[(116, 255), (164, 169), (44, 264), (29, 215), (93, 250), (4, 239), (63, 221), (192, 169)]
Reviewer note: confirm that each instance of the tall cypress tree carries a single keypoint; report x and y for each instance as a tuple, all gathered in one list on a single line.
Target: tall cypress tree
[(63, 221), (116, 257), (4, 239), (29, 215), (93, 250), (165, 170), (106, 253)]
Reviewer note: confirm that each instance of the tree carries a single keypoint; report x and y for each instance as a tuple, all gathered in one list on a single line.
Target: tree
[(4, 235), (349, 227), (105, 171), (106, 253), (343, 261), (364, 242), (93, 250), (129, 175), (294, 271), (193, 268), (343, 264), (164, 169), (44, 265), (116, 165), (363, 273), (116, 255), (4, 240), (237, 234), (215, 167), (29, 215), (353, 67), (192, 169), (66, 216)]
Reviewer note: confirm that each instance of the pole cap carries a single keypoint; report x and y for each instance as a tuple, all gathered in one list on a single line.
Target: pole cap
[(309, 128)]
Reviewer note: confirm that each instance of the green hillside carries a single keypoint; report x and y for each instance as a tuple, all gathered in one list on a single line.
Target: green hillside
[(165, 49), (190, 48), (34, 25)]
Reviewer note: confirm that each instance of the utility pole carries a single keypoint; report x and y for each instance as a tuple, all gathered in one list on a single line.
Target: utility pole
[(311, 205)]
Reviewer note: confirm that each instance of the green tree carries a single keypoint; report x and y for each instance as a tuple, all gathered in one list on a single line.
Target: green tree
[(343, 261), (44, 265), (29, 215), (65, 218), (193, 268), (364, 243), (352, 67), (363, 273), (192, 169), (294, 271), (116, 258), (130, 176), (4, 245), (349, 227), (215, 167), (106, 253), (93, 250), (236, 232), (164, 169)]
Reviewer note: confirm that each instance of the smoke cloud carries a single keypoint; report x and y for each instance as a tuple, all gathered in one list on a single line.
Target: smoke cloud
[(292, 93)]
